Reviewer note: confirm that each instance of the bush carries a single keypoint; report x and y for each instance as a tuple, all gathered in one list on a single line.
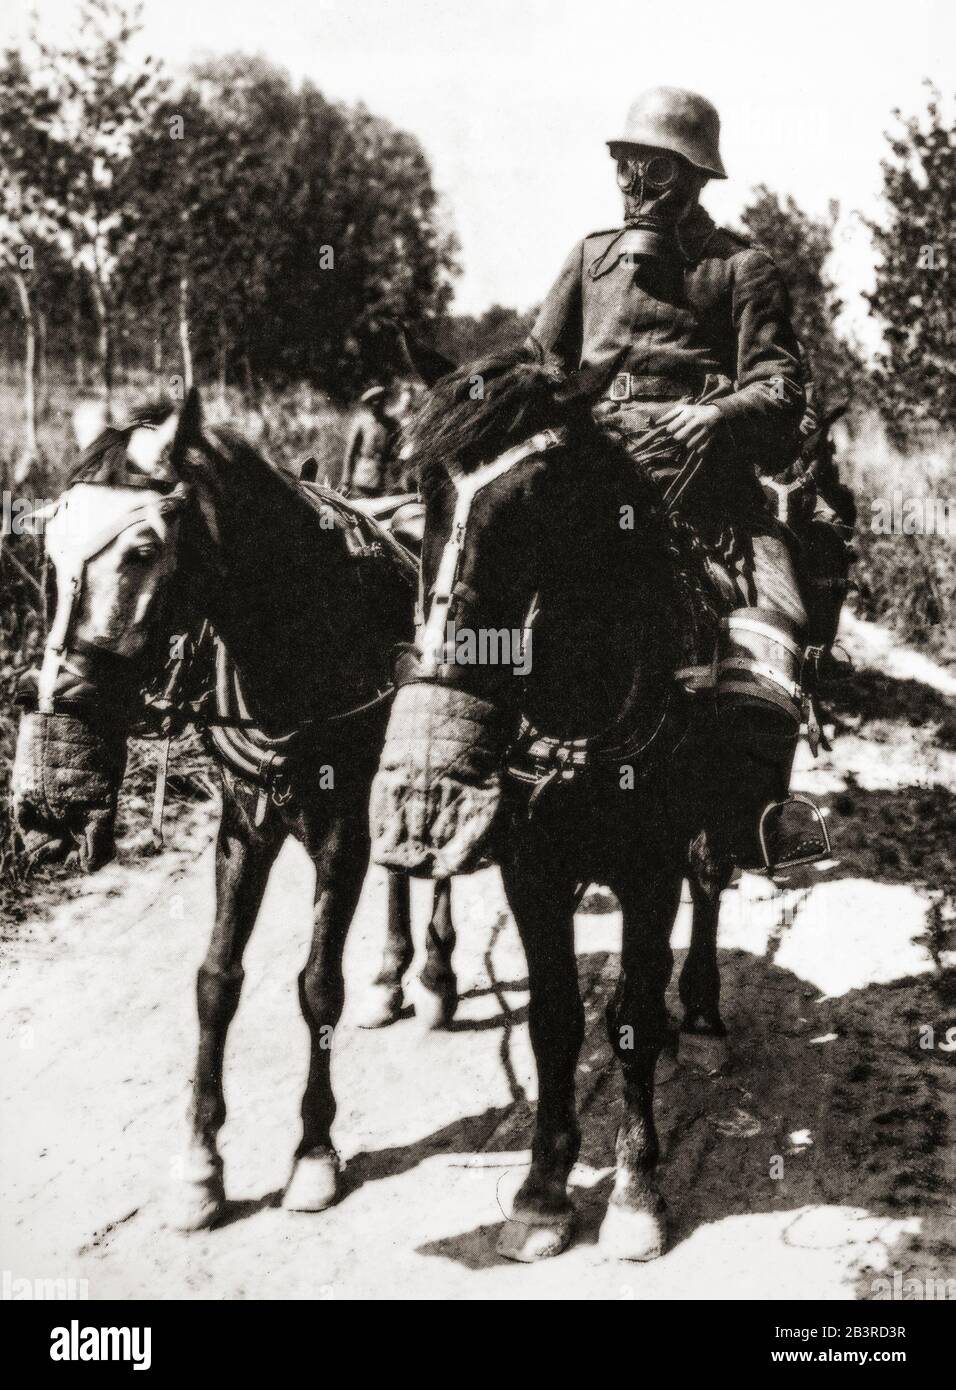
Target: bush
[(905, 581)]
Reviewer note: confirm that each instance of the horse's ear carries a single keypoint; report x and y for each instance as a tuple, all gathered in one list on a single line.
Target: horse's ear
[(145, 446), (426, 362), (90, 419), (188, 427)]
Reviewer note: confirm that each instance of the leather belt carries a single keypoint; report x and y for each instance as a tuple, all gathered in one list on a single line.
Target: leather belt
[(626, 386)]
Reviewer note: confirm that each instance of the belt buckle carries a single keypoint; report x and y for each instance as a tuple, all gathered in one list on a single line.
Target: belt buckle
[(621, 387)]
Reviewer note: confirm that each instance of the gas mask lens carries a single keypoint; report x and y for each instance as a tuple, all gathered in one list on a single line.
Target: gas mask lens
[(658, 172)]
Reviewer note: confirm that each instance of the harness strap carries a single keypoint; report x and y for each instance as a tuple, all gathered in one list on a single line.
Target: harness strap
[(784, 491), (774, 634), (760, 669), (467, 486), (763, 696), (159, 792), (54, 652)]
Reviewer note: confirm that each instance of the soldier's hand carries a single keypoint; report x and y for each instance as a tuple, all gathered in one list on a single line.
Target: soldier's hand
[(694, 426)]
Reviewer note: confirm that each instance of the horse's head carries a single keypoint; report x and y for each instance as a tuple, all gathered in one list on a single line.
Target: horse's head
[(543, 584), (113, 541)]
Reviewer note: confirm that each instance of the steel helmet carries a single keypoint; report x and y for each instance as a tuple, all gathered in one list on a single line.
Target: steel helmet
[(670, 118)]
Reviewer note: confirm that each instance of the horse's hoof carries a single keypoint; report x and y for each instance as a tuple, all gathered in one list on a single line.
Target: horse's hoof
[(627, 1234), (314, 1184), (434, 1009), (705, 1051), (199, 1203), (382, 1007), (529, 1241)]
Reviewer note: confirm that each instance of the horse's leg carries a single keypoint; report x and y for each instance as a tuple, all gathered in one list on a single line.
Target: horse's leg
[(385, 1001), (436, 997), (542, 901), (244, 857), (340, 866), (703, 1037), (633, 1227)]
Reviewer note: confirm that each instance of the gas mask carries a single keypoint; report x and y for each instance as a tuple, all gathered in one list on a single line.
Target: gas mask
[(659, 189)]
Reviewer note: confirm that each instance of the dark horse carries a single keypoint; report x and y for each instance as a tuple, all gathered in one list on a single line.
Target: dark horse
[(595, 766), (165, 526)]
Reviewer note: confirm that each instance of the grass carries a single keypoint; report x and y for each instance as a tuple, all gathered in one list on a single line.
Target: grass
[(906, 581)]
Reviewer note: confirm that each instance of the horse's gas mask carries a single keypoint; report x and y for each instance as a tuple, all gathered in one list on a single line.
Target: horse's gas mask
[(660, 189)]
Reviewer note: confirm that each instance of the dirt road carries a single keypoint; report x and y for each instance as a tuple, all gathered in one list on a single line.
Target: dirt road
[(817, 1165)]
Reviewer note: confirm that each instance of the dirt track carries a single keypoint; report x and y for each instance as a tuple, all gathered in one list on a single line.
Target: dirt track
[(826, 985)]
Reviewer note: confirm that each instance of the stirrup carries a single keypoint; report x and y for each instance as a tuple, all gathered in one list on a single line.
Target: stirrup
[(790, 835), (836, 665), (828, 665)]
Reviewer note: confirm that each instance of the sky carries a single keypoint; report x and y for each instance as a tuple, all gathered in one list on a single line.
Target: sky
[(513, 100)]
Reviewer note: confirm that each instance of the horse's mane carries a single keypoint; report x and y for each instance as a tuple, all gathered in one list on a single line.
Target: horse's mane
[(478, 411), (475, 413), (106, 459)]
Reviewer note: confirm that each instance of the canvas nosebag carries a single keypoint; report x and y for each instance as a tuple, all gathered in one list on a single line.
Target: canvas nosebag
[(66, 777), (438, 789)]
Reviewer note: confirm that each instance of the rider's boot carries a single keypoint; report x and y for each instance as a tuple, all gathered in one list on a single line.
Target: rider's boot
[(759, 699)]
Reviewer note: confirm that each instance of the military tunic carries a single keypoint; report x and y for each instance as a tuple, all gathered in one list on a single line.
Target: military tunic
[(713, 316), (367, 454), (652, 332)]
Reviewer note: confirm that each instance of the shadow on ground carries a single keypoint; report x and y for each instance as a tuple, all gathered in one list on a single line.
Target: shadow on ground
[(835, 1092)]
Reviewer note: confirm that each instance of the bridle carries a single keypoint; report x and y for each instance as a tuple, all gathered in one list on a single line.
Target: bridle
[(467, 487), (71, 573), (533, 758)]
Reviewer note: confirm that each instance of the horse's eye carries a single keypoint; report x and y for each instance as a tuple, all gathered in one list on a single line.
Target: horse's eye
[(142, 554)]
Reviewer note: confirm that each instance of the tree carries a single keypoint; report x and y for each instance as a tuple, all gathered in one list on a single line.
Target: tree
[(915, 291), (288, 231), (26, 229), (368, 247), (179, 268), (261, 231), (800, 246), (97, 101), (465, 338)]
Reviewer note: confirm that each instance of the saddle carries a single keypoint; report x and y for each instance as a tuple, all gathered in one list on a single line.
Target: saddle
[(400, 515)]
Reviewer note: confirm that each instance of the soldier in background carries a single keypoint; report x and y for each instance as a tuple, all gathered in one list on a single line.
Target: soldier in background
[(368, 452)]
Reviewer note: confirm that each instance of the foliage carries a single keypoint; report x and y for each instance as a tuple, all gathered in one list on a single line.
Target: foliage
[(800, 246), (915, 291), (236, 223), (465, 338)]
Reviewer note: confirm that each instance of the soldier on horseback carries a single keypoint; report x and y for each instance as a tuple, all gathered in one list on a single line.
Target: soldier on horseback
[(679, 335)]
